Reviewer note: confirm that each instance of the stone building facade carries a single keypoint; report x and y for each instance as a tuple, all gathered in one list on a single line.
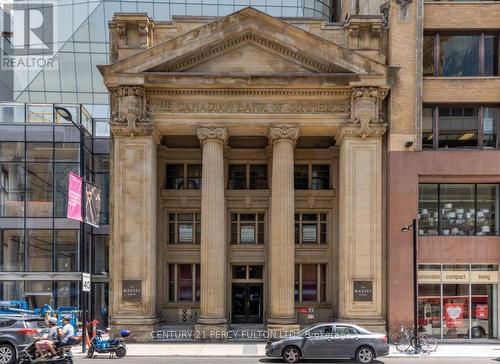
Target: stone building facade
[(262, 168)]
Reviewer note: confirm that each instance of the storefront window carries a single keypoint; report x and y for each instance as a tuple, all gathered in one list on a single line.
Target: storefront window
[(455, 311), (463, 305), (429, 308), (464, 209), (12, 252)]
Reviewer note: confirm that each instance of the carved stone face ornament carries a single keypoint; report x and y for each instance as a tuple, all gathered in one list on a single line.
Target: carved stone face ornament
[(366, 107), (129, 111)]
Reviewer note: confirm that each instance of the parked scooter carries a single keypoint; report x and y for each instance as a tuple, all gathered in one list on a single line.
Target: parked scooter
[(101, 343), (64, 355)]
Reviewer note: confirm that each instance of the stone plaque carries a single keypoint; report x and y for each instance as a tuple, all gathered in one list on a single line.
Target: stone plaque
[(363, 291), (132, 291)]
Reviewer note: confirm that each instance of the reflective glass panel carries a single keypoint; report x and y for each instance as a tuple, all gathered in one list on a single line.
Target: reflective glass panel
[(491, 117), (67, 250), (458, 127), (12, 193), (309, 282), (39, 186), (457, 209), (40, 250), (12, 250), (428, 209), (459, 55), (487, 209), (427, 129), (429, 308)]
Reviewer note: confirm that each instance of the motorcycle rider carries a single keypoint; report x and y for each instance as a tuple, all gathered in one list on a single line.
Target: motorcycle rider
[(67, 332), (47, 341)]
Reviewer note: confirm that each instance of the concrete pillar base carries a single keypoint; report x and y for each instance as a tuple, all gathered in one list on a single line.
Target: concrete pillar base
[(281, 330), (210, 332), (374, 324), (141, 328)]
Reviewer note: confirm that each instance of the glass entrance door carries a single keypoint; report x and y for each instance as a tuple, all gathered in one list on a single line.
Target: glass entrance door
[(247, 303)]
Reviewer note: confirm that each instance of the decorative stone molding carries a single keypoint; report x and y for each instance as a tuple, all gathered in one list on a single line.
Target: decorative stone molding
[(364, 32), (249, 37), (277, 133), (365, 117), (130, 32), (212, 133), (403, 12), (166, 93), (128, 112), (157, 105)]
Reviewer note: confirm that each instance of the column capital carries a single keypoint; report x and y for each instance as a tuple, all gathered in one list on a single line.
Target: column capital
[(212, 133), (283, 133)]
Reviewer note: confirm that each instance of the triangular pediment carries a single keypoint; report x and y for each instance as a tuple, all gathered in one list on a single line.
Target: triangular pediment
[(248, 41)]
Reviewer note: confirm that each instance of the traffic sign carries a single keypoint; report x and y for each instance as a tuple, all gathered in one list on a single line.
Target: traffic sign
[(85, 282)]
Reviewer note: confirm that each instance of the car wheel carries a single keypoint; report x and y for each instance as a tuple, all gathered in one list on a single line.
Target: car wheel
[(7, 354), (291, 354), (365, 355), (120, 352)]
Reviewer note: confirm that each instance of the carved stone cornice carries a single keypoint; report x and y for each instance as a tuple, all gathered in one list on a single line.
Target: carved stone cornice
[(371, 131), (129, 112), (212, 133), (277, 133)]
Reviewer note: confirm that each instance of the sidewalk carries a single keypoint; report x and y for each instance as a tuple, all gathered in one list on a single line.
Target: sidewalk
[(257, 350)]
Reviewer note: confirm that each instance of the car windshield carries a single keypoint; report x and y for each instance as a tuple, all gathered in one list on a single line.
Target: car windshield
[(36, 324)]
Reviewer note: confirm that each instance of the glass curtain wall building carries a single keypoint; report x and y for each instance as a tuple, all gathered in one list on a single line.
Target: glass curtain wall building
[(82, 42), (43, 253)]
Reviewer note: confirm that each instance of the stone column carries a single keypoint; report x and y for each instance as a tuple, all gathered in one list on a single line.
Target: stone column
[(212, 322), (282, 243), (361, 291), (133, 201)]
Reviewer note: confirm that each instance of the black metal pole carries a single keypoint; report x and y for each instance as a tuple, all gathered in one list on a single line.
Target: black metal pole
[(415, 284)]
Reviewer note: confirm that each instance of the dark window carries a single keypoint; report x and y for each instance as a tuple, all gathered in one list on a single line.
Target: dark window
[(175, 176), (237, 177), (460, 55), (320, 178), (12, 252), (183, 282), (67, 248), (311, 228), (247, 228), (460, 127), (310, 283), (301, 177), (194, 177), (258, 177), (255, 272), (184, 228), (239, 271)]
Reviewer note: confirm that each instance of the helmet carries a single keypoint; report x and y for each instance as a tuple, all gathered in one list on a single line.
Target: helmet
[(53, 321)]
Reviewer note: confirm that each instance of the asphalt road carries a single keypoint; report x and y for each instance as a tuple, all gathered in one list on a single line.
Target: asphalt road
[(247, 360)]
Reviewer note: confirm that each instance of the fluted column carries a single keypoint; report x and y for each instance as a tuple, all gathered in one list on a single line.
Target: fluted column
[(213, 315), (282, 243)]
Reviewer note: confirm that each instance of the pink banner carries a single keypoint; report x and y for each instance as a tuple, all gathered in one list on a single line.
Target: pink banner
[(74, 197)]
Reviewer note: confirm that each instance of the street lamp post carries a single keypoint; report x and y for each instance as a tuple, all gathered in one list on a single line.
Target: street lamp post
[(413, 228)]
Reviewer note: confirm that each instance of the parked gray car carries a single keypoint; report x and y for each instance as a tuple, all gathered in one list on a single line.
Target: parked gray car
[(327, 341), (16, 333)]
